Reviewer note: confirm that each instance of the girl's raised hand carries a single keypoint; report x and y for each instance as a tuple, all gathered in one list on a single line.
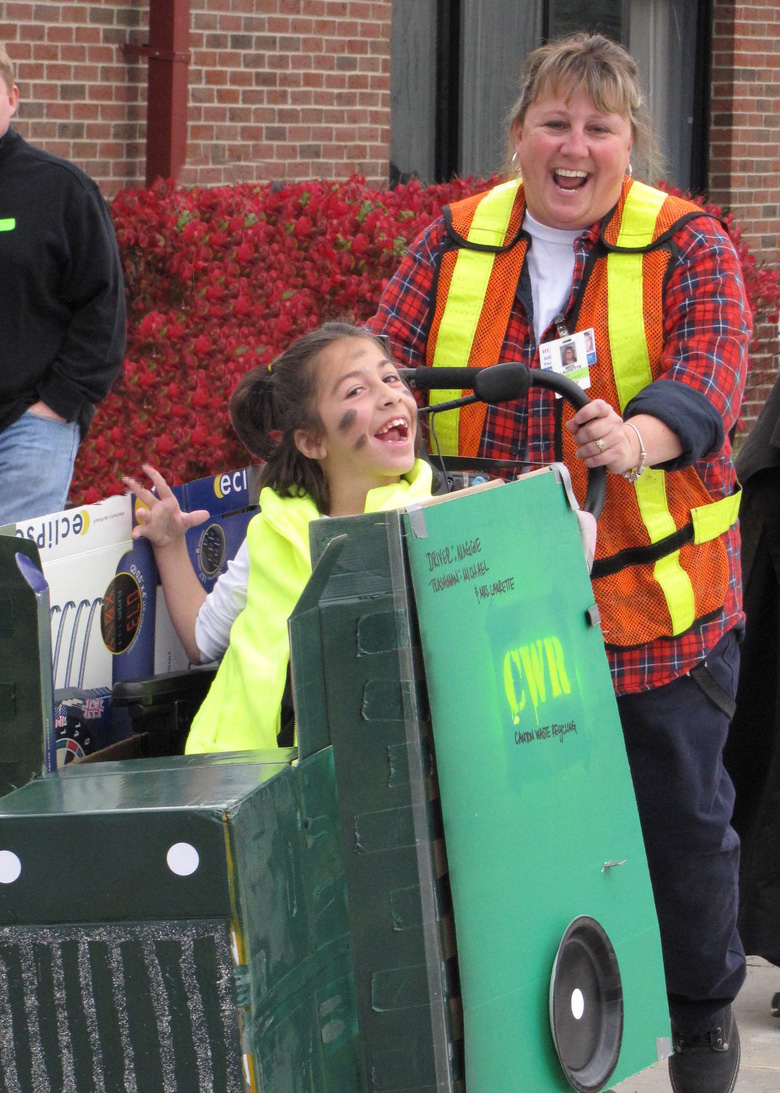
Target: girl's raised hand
[(160, 519)]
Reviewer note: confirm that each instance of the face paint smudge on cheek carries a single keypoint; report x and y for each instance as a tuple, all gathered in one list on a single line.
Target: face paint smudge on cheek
[(360, 442), (347, 420)]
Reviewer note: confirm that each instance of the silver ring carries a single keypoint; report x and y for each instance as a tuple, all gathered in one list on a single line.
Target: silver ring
[(599, 444)]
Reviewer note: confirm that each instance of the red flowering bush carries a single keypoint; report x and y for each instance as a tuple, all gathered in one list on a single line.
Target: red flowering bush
[(221, 280)]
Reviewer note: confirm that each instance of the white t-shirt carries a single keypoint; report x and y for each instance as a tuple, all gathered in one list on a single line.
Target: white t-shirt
[(222, 607), (551, 266)]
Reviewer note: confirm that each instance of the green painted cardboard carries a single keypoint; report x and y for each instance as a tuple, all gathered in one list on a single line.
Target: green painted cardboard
[(179, 922), (535, 787), (26, 703), (357, 678)]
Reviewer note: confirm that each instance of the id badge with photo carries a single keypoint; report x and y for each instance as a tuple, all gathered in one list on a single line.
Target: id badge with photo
[(570, 356)]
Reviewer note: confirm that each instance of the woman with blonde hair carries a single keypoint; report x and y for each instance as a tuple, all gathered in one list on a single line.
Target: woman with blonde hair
[(573, 245)]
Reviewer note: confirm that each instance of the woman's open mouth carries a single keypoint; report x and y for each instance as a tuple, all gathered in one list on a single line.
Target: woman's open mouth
[(569, 180)]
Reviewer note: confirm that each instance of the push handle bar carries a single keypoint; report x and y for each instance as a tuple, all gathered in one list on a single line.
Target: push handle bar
[(506, 382)]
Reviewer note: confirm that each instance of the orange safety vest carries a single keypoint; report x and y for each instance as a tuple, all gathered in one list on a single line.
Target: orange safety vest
[(661, 560)]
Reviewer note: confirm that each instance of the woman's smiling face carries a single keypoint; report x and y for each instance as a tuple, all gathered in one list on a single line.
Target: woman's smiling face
[(368, 416), (573, 158)]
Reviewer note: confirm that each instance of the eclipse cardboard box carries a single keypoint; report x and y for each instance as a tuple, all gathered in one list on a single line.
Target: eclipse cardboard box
[(109, 621)]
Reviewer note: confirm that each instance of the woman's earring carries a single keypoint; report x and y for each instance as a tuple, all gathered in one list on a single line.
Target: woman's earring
[(516, 163), (630, 170)]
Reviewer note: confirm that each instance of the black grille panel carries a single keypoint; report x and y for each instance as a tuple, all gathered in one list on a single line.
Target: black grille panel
[(118, 1008)]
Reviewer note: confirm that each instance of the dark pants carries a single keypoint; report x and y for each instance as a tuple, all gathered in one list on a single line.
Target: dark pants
[(674, 738)]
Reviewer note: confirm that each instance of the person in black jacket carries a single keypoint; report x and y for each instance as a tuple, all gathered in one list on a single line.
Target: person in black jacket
[(753, 751), (62, 315)]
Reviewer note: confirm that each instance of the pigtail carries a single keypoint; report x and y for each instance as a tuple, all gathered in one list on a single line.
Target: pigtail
[(252, 412), (263, 416)]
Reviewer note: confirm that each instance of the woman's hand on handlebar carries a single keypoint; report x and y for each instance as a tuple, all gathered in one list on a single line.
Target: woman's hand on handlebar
[(619, 449), (603, 439)]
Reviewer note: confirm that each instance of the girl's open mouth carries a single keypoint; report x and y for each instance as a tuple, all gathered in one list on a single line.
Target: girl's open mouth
[(395, 431)]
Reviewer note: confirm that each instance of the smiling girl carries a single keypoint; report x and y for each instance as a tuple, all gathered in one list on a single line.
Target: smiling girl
[(337, 428)]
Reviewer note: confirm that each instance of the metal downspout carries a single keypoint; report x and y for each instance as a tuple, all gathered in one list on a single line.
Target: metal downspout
[(168, 86)]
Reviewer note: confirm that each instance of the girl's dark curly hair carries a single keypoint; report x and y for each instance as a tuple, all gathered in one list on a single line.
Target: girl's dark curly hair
[(270, 404)]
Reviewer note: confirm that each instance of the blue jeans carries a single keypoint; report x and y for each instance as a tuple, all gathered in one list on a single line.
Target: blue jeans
[(674, 738), (36, 466)]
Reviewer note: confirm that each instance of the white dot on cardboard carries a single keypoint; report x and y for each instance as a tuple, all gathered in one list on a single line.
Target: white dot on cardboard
[(183, 859), (10, 867)]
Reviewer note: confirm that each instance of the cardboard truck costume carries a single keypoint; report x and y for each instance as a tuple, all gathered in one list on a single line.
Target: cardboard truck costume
[(445, 891)]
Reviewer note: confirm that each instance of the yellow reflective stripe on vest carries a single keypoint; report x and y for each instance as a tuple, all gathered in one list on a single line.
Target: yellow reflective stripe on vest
[(632, 370), (466, 298), (674, 581), (625, 301), (710, 521)]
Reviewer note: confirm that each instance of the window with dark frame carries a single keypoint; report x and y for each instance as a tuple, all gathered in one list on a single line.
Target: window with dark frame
[(455, 73)]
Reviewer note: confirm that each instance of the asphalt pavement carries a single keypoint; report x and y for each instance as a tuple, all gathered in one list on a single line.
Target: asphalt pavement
[(759, 1033)]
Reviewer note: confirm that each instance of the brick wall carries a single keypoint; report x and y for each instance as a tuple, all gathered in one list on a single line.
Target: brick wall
[(745, 147), (290, 89), (79, 98), (278, 88)]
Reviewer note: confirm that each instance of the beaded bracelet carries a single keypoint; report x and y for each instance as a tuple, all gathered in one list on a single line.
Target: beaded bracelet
[(635, 472)]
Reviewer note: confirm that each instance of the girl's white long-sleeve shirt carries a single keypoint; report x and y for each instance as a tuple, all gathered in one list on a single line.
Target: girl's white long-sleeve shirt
[(222, 607)]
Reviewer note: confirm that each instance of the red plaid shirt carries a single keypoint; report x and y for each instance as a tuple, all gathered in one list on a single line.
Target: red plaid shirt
[(707, 328)]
